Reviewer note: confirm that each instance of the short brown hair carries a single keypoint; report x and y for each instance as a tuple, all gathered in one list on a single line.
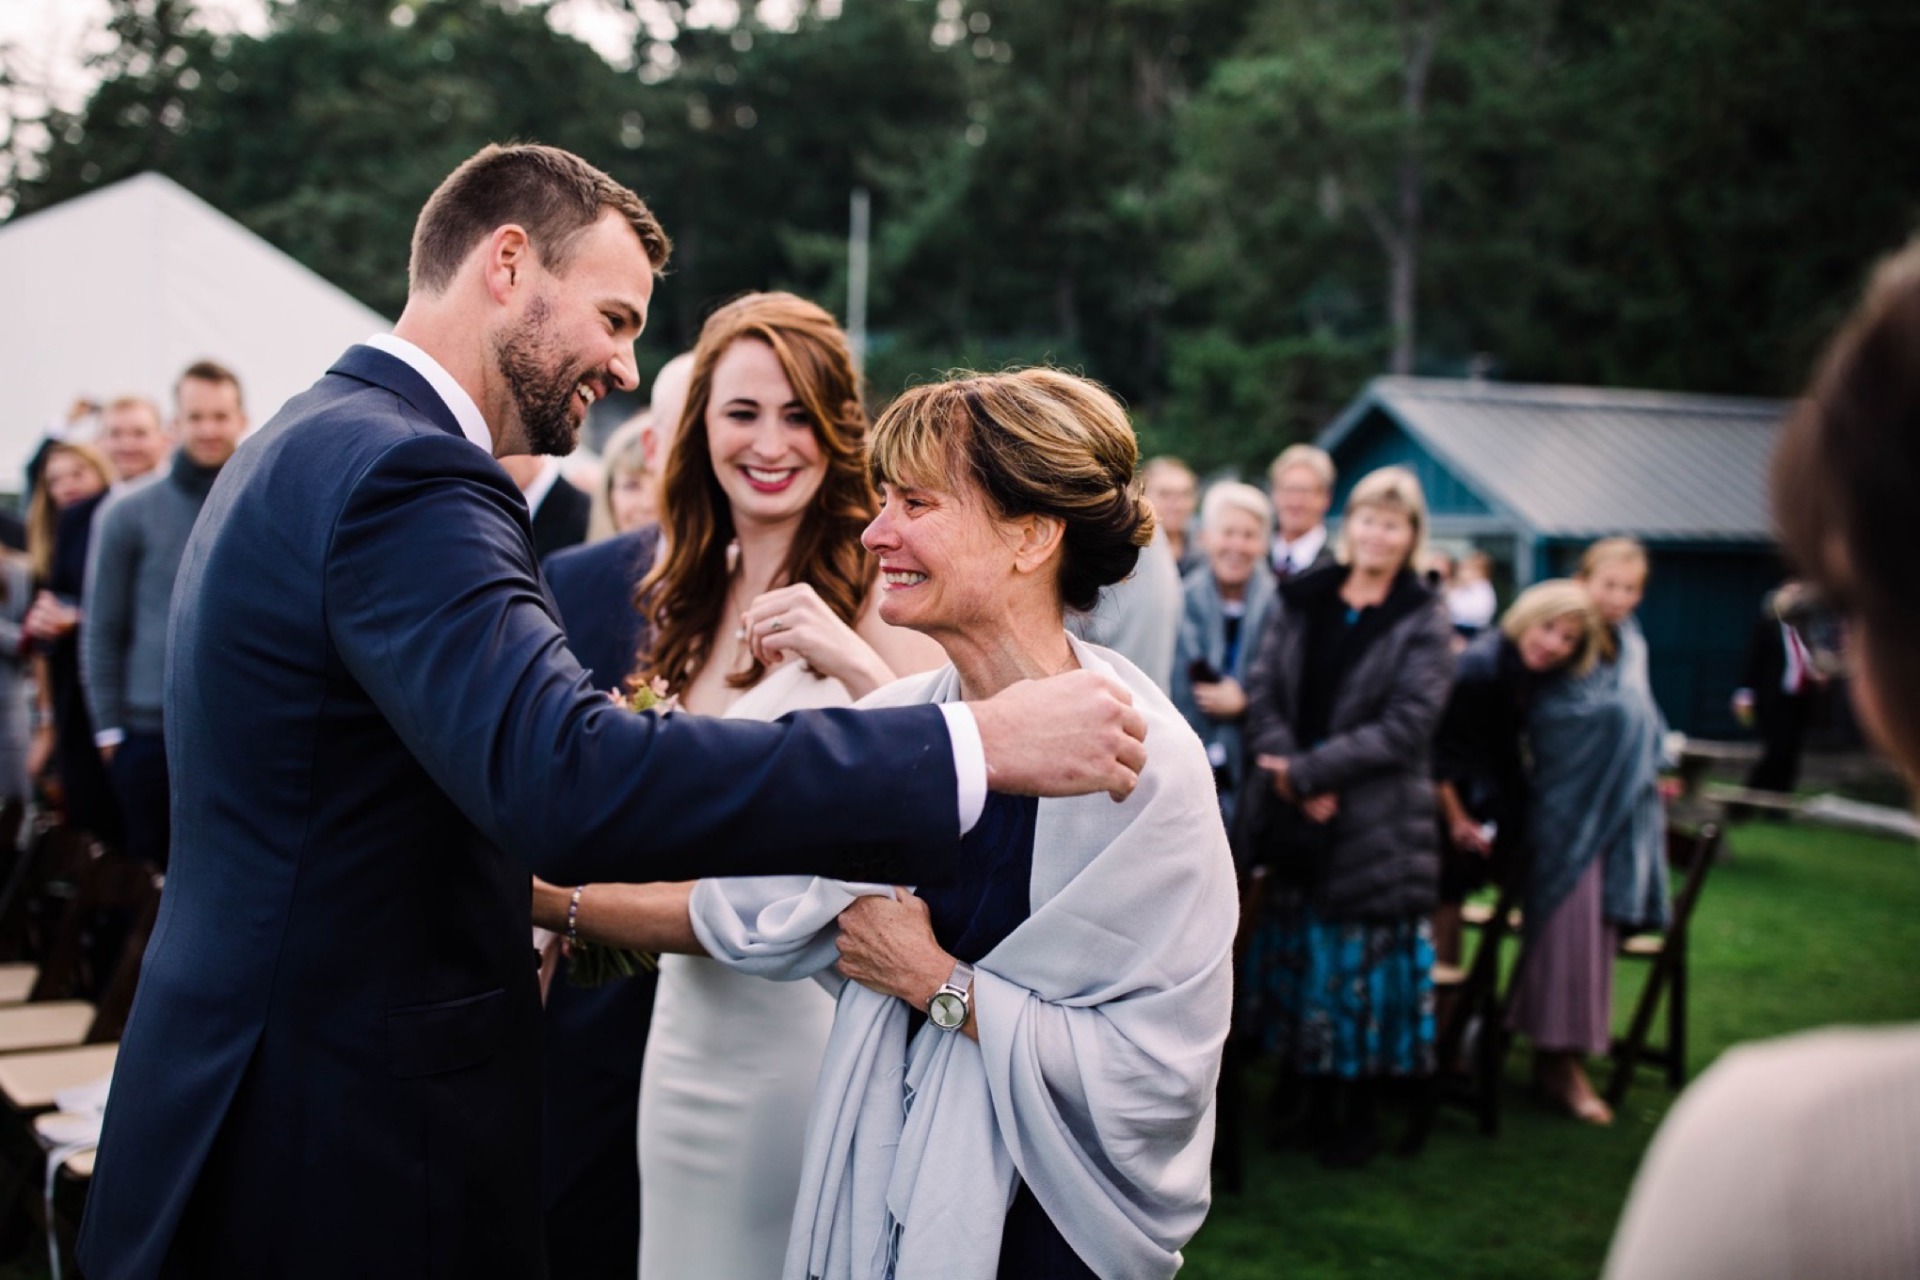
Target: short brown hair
[(1036, 442), (1611, 551), (209, 371), (118, 403), (1846, 484), (553, 194)]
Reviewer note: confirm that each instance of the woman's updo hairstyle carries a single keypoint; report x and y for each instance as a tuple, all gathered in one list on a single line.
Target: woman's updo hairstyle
[(1036, 442)]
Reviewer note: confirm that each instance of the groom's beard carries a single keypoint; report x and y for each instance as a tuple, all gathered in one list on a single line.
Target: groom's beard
[(542, 394)]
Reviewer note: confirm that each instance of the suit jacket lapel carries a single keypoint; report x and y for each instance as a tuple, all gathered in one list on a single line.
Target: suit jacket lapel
[(375, 367)]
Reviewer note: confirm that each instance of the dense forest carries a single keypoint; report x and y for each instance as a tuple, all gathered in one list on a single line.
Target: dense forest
[(1232, 211)]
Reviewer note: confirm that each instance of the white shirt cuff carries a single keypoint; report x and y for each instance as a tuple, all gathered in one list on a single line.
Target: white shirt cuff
[(969, 762), (114, 737)]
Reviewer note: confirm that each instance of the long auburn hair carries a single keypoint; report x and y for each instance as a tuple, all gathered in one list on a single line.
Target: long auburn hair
[(686, 592)]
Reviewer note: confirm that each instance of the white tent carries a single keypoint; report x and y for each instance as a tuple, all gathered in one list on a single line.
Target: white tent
[(116, 291)]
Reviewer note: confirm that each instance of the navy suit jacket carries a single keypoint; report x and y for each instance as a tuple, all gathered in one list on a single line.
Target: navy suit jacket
[(375, 730), (562, 519)]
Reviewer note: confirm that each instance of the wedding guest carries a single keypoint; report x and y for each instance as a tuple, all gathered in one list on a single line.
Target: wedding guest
[(1138, 617), (138, 540), (1342, 703), (1471, 602), (1778, 688), (556, 506), (1173, 491), (1301, 482), (1228, 602), (1800, 1156), (1480, 751), (332, 1065), (629, 493), (75, 479), (1059, 1012), (1598, 831), (594, 1039), (134, 439), (16, 731)]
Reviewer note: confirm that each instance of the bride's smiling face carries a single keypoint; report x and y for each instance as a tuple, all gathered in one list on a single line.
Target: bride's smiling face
[(760, 438)]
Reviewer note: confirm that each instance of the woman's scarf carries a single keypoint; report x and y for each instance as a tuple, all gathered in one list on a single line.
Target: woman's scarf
[(1597, 747), (1102, 1020)]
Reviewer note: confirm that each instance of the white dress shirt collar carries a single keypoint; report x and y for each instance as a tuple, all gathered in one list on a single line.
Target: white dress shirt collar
[(536, 493), (1300, 553), (452, 394)]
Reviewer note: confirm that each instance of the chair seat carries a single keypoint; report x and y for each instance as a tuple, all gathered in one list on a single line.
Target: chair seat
[(48, 1132), (29, 1081), (1644, 945), (52, 1024), (1477, 915), (16, 982)]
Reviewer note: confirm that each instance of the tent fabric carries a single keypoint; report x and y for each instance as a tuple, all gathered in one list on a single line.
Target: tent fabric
[(115, 292)]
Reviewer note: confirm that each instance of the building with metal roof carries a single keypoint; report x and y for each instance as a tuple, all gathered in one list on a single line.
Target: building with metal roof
[(1532, 474)]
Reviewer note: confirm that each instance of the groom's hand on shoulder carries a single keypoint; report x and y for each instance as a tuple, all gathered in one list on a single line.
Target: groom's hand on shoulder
[(1067, 735)]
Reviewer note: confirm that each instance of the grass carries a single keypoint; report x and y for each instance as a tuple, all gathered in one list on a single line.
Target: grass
[(1799, 927)]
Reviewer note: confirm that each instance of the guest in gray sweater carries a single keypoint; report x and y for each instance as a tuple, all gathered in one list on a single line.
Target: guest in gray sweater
[(137, 545)]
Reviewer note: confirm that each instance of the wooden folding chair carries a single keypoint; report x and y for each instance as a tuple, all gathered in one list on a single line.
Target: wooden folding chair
[(1694, 853)]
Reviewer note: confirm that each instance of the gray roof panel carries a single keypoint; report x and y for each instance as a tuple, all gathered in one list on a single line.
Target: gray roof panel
[(1584, 462)]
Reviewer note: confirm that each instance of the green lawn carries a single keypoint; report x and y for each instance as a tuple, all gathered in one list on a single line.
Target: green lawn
[(1799, 927)]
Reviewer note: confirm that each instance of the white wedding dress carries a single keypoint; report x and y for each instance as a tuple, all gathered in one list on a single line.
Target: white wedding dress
[(727, 1085)]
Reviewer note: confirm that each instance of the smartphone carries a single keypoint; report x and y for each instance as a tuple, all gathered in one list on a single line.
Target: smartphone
[(1200, 671)]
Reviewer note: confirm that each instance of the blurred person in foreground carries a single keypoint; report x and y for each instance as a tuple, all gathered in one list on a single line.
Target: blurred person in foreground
[(1019, 1080), (1228, 601), (1481, 751), (1598, 834), (1801, 1156), (1342, 703), (375, 730)]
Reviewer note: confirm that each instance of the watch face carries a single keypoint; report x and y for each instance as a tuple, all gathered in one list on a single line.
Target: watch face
[(947, 1011)]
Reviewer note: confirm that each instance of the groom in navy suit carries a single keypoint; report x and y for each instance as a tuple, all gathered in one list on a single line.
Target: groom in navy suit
[(376, 730)]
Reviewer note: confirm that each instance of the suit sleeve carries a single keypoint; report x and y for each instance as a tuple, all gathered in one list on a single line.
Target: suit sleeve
[(435, 607)]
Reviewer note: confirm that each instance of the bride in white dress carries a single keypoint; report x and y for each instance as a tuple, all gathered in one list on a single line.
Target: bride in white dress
[(762, 603)]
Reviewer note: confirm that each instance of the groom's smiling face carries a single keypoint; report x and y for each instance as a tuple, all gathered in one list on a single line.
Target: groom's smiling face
[(570, 341)]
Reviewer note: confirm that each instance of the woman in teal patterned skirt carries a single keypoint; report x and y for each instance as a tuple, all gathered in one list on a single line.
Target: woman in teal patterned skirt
[(1343, 701)]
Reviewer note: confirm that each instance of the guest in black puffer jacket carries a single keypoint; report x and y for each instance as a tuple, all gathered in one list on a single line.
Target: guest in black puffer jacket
[(1343, 701)]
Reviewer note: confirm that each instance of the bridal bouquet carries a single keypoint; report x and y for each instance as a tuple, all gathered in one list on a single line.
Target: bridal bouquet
[(592, 964)]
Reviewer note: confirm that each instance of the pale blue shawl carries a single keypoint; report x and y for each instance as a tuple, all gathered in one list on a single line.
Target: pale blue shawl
[(1597, 748)]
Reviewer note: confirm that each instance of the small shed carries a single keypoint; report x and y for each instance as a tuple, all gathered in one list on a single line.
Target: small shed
[(1532, 474)]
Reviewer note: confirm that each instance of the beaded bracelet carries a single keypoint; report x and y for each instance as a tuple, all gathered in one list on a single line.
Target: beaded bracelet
[(573, 916)]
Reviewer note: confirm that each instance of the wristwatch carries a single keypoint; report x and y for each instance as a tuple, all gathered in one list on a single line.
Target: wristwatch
[(950, 1006)]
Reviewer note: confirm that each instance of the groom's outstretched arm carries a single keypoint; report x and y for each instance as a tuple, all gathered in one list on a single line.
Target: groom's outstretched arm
[(435, 607)]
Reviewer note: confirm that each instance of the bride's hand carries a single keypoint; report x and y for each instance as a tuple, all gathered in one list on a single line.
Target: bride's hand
[(794, 622)]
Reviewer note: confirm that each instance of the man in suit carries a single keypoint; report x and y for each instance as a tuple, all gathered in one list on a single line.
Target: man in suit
[(557, 508), (1301, 483), (332, 1065), (1778, 688), (595, 1038)]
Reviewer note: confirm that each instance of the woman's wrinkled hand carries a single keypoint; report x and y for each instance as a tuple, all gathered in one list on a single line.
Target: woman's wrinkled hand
[(887, 945)]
